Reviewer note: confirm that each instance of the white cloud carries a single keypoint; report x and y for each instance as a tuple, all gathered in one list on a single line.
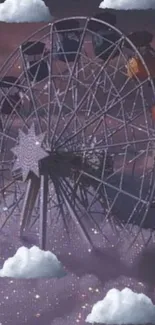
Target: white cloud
[(123, 307), (24, 11), (32, 263), (128, 4)]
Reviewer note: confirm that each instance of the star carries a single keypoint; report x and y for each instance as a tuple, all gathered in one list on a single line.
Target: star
[(29, 152)]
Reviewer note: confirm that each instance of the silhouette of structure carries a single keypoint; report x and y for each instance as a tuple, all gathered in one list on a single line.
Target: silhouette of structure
[(77, 138)]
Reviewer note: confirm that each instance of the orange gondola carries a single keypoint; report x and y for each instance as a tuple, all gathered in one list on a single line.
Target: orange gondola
[(153, 112), (136, 68)]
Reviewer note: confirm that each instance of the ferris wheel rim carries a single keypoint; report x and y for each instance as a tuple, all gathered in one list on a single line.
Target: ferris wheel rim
[(88, 19)]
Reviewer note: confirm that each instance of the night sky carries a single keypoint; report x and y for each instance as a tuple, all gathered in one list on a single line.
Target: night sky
[(90, 273)]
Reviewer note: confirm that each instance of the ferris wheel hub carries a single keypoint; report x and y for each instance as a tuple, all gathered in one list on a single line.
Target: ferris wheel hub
[(29, 152)]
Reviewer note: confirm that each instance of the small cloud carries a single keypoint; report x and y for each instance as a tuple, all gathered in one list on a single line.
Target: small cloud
[(32, 263), (19, 11), (123, 307), (128, 4)]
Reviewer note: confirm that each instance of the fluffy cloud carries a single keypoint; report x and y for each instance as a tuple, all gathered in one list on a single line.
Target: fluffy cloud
[(24, 11), (123, 307), (32, 263), (128, 4)]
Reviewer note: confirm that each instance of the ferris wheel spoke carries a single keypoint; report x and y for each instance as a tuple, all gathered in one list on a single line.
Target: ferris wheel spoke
[(84, 98), (2, 134), (124, 226), (86, 93), (130, 92), (11, 211), (2, 190), (60, 115), (33, 223), (140, 228), (30, 91), (117, 95), (75, 217), (131, 115), (151, 234), (76, 60), (117, 67), (98, 187), (83, 194), (93, 120), (96, 196), (59, 41), (49, 110), (110, 101), (71, 74), (95, 178), (79, 131), (60, 204), (128, 123), (60, 111), (82, 209), (108, 215), (128, 162), (78, 199), (11, 119), (147, 206), (93, 99)]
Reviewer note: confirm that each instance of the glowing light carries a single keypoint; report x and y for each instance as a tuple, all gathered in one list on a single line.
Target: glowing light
[(37, 296), (90, 289), (5, 208)]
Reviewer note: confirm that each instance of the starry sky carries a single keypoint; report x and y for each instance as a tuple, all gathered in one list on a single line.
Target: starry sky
[(91, 273)]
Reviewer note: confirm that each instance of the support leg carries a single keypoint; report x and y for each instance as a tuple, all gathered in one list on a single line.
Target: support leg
[(29, 202), (43, 210)]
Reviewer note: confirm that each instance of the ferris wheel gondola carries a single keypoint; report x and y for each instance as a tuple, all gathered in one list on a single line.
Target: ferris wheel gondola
[(105, 38), (140, 39), (34, 54), (10, 95), (68, 39)]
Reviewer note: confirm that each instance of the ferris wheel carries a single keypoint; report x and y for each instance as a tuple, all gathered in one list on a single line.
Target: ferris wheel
[(76, 133)]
